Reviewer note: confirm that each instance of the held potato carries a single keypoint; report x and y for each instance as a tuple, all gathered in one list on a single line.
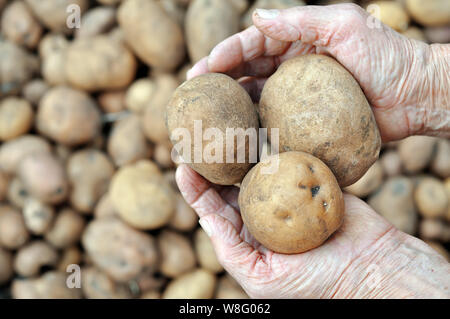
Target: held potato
[(320, 109), (431, 197), (120, 251), (176, 254), (198, 284), (208, 22), (99, 63), (151, 33), (214, 102), (16, 118), (68, 116), (141, 195), (395, 202), (370, 181), (429, 13), (294, 209)]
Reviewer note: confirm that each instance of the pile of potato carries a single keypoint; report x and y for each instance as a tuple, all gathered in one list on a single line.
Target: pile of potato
[(86, 175)]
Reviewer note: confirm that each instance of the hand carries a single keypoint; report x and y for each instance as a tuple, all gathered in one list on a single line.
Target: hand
[(404, 80), (367, 257)]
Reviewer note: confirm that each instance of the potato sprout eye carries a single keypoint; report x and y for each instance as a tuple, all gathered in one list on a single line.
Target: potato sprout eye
[(315, 190)]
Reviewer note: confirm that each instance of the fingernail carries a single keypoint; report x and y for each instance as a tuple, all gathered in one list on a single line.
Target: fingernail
[(206, 227), (267, 14)]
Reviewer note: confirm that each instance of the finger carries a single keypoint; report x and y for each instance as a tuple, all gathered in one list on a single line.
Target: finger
[(203, 198), (201, 67), (322, 26), (230, 194)]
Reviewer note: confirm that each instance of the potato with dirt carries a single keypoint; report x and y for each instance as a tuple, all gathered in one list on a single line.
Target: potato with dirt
[(20, 26), (119, 250), (130, 189), (151, 33), (89, 171), (99, 63), (208, 22), (32, 257), (44, 177), (197, 284), (212, 105), (301, 201), (16, 118), (176, 254), (302, 99), (68, 116), (66, 230)]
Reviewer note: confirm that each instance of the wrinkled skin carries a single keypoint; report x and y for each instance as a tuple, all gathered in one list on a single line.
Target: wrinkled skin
[(367, 257), (403, 79)]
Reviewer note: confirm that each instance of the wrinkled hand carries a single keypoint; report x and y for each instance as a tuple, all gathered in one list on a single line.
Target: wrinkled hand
[(366, 257), (404, 81)]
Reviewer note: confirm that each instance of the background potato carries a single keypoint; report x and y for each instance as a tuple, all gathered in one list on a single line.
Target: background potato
[(205, 252), (220, 103), (430, 12), (393, 14), (38, 216), (198, 284), (6, 266), (422, 147), (177, 255), (297, 107), (370, 181), (16, 118), (31, 257), (301, 201), (268, 4), (13, 231), (184, 218), (431, 198), (66, 229), (96, 21), (97, 285)]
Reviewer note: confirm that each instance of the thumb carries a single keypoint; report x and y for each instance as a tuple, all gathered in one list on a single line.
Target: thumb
[(322, 26)]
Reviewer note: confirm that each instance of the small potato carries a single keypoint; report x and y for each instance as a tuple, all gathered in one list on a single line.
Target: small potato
[(416, 152), (34, 90), (391, 163), (4, 185), (99, 63), (228, 288), (13, 231), (395, 202), (205, 252), (162, 155), (97, 285), (51, 285), (20, 26), (370, 181), (16, 118), (139, 94), (89, 172), (119, 250), (38, 216), (390, 13), (6, 266), (208, 22), (130, 189), (214, 102), (66, 230), (151, 33), (301, 99), (431, 198), (198, 284), (12, 152), (430, 12), (51, 43), (17, 193), (112, 101), (70, 256), (58, 15), (68, 116), (127, 143), (105, 207), (184, 218), (176, 254), (440, 165), (33, 256), (44, 177), (17, 67), (153, 121), (53, 68), (300, 200), (268, 4), (96, 21)]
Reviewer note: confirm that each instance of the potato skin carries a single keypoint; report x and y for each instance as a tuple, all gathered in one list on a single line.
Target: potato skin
[(422, 147), (320, 109), (151, 33), (208, 22), (176, 254), (294, 209), (219, 102), (198, 284)]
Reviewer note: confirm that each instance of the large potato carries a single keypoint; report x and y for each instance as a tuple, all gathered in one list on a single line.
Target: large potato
[(198, 284), (429, 12), (16, 118), (177, 255), (320, 109), (141, 195), (208, 22), (295, 208), (119, 250), (151, 33), (68, 116), (218, 103), (395, 202), (99, 63)]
